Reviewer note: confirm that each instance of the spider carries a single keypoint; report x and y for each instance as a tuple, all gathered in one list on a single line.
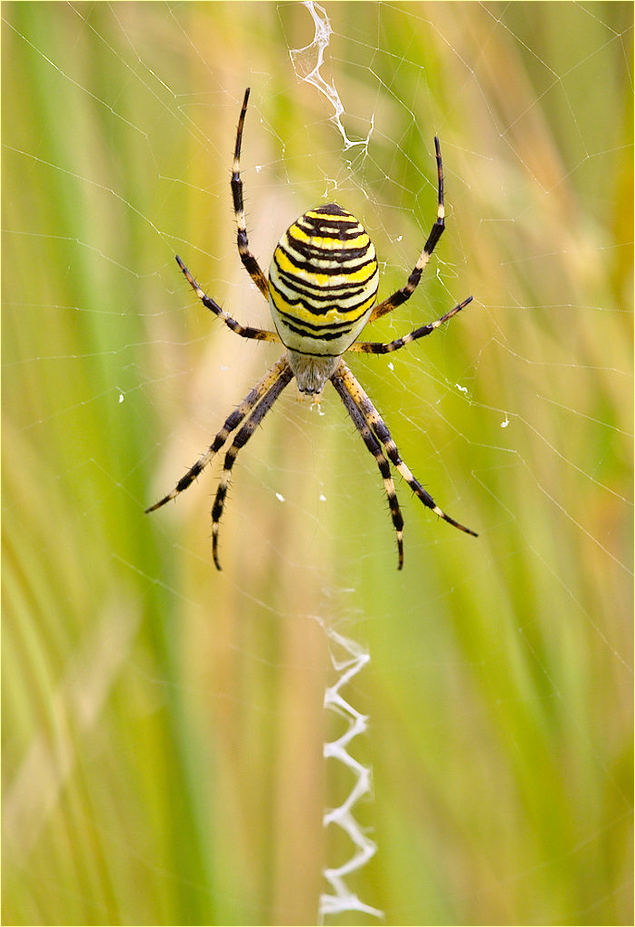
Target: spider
[(321, 289)]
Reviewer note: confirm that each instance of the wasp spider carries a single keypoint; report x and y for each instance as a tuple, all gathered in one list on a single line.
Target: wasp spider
[(321, 289)]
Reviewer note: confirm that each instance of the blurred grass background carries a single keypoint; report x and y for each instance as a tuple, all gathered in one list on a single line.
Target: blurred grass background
[(163, 723)]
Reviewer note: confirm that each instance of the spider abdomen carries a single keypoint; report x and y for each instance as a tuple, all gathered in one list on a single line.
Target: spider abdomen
[(323, 282)]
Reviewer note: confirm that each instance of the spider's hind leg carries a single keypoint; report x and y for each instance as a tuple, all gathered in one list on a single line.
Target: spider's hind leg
[(249, 261), (406, 291)]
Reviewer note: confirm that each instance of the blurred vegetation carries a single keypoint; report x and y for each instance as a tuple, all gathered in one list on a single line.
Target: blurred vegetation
[(163, 723)]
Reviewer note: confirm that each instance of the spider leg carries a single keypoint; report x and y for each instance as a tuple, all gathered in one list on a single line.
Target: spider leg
[(374, 447), (400, 296), (245, 331), (380, 347), (374, 421), (249, 261), (284, 376), (280, 370)]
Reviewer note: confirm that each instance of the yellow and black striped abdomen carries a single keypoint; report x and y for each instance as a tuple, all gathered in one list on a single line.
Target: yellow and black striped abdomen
[(323, 281)]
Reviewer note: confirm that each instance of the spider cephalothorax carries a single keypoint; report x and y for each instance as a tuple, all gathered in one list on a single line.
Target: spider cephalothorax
[(321, 288)]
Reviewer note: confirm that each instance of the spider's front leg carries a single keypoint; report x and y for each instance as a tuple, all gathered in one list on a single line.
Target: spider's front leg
[(374, 447), (283, 378), (279, 372), (346, 384)]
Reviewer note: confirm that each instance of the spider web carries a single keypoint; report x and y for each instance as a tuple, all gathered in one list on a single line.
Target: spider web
[(164, 724)]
